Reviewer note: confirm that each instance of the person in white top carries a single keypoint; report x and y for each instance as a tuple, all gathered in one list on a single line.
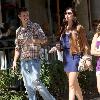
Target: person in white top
[(95, 51), (58, 50)]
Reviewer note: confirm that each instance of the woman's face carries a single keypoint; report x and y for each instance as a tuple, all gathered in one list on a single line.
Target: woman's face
[(69, 15), (24, 17)]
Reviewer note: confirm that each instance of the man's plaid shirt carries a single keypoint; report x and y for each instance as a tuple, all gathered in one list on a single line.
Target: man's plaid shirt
[(24, 41)]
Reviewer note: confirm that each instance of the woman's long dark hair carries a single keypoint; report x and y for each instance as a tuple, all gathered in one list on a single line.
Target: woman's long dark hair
[(98, 29), (65, 23)]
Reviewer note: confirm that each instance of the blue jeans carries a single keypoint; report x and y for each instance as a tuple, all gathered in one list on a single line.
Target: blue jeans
[(30, 71)]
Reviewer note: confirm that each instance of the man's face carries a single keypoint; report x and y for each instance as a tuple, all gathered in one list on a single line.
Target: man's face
[(58, 46), (24, 17)]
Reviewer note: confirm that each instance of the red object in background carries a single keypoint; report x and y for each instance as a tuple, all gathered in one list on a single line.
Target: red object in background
[(8, 5)]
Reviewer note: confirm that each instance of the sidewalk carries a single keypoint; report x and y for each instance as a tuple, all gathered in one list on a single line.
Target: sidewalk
[(98, 98)]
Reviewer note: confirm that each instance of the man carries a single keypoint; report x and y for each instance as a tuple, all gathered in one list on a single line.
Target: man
[(59, 51), (29, 38)]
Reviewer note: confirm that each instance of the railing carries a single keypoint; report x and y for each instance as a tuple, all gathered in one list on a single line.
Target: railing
[(7, 52), (6, 49)]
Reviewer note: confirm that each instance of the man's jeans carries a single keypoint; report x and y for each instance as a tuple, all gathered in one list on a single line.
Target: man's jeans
[(30, 71)]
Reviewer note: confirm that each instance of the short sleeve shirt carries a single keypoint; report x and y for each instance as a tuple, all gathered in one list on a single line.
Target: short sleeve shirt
[(24, 40)]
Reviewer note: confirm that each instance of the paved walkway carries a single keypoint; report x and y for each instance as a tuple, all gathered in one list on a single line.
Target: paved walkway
[(96, 98)]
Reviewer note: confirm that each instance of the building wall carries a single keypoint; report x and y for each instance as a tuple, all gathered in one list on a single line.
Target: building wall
[(82, 13), (95, 9), (38, 11), (95, 13), (0, 13)]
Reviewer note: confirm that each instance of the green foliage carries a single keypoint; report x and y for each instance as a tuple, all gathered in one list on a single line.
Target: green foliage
[(7, 79), (13, 95), (53, 76), (44, 75), (87, 80)]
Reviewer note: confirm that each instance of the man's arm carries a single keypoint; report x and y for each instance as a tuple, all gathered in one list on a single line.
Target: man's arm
[(40, 41), (16, 56), (41, 38)]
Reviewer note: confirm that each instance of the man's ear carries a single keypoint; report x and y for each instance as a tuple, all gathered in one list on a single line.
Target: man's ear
[(18, 16)]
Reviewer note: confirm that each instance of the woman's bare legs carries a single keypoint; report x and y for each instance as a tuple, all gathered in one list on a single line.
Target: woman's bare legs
[(74, 88), (78, 91), (98, 82), (72, 77)]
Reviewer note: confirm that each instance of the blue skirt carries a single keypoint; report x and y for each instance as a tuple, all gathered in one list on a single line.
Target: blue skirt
[(71, 62)]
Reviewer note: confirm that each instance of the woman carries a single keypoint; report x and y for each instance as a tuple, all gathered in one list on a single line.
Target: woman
[(95, 50), (74, 43)]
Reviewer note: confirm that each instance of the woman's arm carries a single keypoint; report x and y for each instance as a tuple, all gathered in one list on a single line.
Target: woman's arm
[(83, 37)]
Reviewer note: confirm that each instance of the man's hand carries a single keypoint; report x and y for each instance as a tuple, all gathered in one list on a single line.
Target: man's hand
[(53, 49), (39, 41), (14, 65), (36, 41)]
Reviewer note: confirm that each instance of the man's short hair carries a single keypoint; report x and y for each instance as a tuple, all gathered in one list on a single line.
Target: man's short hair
[(22, 9)]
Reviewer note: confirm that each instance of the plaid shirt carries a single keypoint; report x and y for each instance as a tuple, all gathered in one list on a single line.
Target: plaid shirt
[(24, 41)]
